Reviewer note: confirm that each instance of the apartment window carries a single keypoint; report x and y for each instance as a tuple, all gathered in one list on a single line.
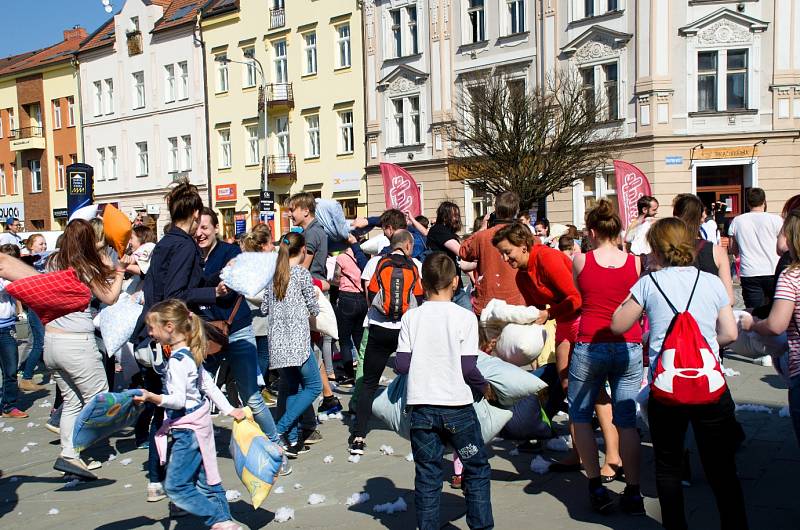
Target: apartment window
[(343, 46), (56, 114), (611, 90), (12, 124), (112, 163), (249, 68), (138, 90), (346, 138), (98, 98), (60, 175), (183, 82), (142, 162), (736, 79), (404, 31), (36, 175), (173, 154), (222, 72), (613, 5), (281, 72), (312, 131), (310, 47), (587, 87), (253, 155), (186, 159), (169, 83), (109, 96), (3, 190), (1, 124), (600, 86), (477, 95), (516, 16), (477, 20), (707, 81), (592, 188), (101, 163), (407, 121), (282, 135), (73, 158), (224, 148), (71, 111), (588, 8)]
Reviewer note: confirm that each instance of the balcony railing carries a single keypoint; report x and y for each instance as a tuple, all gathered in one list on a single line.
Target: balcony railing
[(27, 132), (277, 17), (281, 166), (280, 94), (27, 138)]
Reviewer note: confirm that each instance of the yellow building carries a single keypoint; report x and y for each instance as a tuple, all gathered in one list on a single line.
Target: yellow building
[(285, 104)]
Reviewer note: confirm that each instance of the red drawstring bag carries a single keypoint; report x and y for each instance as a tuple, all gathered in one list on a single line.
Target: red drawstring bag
[(687, 372), (52, 295)]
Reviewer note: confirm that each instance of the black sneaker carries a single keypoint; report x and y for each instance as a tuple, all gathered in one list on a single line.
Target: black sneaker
[(330, 405), (632, 504), (357, 447), (347, 382), (293, 451), (311, 437), (601, 501), (530, 447), (74, 466)]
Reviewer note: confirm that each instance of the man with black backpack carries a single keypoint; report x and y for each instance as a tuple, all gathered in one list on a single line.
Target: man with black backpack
[(393, 289)]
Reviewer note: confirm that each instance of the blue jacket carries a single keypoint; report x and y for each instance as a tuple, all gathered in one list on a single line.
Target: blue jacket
[(175, 272), (223, 307)]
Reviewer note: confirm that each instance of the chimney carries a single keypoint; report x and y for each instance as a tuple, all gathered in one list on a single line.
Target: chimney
[(75, 33)]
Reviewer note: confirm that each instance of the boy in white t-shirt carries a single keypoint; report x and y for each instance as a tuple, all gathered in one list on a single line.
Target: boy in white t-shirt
[(438, 348)]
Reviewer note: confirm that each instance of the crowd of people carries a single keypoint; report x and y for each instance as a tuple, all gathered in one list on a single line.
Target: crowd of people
[(610, 296)]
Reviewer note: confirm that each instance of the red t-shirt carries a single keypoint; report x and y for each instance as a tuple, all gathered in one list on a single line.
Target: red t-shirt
[(548, 281)]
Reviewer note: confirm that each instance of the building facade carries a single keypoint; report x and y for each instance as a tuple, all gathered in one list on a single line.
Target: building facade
[(285, 99), (39, 132), (142, 105)]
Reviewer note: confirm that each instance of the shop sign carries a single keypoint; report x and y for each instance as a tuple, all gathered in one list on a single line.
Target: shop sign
[(12, 209), (240, 223), (674, 160), (347, 182), (60, 213), (226, 192), (745, 151)]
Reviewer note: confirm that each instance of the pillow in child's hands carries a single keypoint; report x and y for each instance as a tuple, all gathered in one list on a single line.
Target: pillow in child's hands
[(249, 272), (325, 321), (117, 322), (520, 344), (257, 460), (105, 414), (511, 383), (52, 295)]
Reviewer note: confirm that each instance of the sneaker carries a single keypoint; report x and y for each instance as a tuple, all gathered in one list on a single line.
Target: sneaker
[(226, 525), (55, 429), (632, 504), (15, 413), (155, 493), (456, 482), (285, 469), (311, 437), (175, 512), (143, 445), (601, 501), (530, 447), (357, 446), (92, 464), (330, 405), (346, 382), (296, 449), (269, 397), (27, 385), (74, 466)]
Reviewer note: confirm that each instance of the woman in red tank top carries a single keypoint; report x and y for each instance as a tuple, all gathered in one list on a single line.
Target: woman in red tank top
[(604, 278)]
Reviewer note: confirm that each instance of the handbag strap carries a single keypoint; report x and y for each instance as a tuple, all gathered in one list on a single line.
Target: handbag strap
[(671, 306), (229, 321)]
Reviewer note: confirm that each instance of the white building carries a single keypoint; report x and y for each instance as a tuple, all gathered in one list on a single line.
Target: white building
[(142, 104)]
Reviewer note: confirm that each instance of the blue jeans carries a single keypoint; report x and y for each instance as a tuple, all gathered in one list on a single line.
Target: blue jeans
[(37, 347), (300, 386), (242, 355), (794, 404), (9, 361), (186, 481), (591, 365), (463, 299), (262, 345), (431, 428)]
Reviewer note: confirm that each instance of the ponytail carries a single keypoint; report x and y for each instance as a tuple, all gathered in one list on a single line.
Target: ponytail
[(196, 339), (291, 245), (185, 322)]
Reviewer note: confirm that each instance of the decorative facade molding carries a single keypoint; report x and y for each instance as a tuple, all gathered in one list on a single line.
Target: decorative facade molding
[(596, 43), (724, 32)]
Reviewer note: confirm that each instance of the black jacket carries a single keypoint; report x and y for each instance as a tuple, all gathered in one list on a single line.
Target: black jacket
[(222, 308)]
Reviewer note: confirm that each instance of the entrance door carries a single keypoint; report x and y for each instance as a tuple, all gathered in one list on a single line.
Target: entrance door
[(723, 184)]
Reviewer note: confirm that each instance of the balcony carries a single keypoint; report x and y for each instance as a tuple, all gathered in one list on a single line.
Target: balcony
[(277, 17), (27, 138), (281, 167), (280, 95)]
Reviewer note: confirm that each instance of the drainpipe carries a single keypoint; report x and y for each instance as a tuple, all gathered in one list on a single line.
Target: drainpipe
[(199, 28), (77, 65)]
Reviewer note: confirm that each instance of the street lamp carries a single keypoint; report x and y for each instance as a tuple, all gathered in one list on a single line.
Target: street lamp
[(250, 55)]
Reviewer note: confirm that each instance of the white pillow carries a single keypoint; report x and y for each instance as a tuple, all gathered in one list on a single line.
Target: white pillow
[(325, 322), (118, 321), (520, 344), (249, 272), (511, 383), (374, 245)]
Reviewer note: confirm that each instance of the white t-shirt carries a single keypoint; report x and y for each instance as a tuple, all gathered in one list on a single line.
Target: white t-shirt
[(7, 238), (637, 237), (438, 334), (756, 236), (709, 231), (373, 315)]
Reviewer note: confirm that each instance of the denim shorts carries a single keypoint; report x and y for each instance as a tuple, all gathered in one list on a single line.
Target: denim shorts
[(591, 365)]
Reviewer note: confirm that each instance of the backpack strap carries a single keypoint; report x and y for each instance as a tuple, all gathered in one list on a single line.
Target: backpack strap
[(694, 287), (671, 306)]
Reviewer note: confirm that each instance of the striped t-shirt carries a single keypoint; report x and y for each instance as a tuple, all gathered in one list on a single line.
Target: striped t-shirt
[(788, 288)]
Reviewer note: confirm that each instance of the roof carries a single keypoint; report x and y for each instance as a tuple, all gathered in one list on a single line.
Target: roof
[(177, 13), (57, 53), (219, 7), (102, 36)]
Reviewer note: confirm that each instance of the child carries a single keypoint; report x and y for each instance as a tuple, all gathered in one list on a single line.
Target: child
[(438, 348), (193, 482)]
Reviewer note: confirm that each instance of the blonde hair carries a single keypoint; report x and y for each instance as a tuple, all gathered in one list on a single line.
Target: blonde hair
[(256, 238), (791, 230), (185, 322), (670, 239)]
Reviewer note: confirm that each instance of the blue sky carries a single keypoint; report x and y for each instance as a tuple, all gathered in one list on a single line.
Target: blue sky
[(34, 24)]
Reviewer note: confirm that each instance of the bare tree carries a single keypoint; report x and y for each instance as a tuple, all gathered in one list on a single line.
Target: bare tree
[(532, 142)]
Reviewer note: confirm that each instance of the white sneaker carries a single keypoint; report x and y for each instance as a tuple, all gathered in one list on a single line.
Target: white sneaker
[(763, 361), (92, 464), (155, 492)]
